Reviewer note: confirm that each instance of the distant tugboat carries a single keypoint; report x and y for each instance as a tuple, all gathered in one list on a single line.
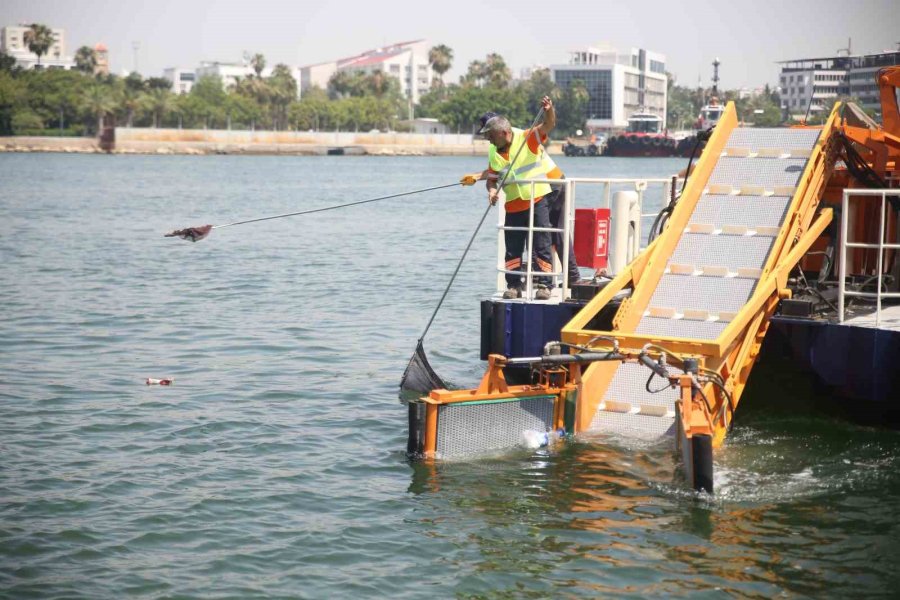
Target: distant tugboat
[(644, 137)]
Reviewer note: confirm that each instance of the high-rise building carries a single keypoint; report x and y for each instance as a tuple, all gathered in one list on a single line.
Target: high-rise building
[(618, 84), (12, 42), (811, 85)]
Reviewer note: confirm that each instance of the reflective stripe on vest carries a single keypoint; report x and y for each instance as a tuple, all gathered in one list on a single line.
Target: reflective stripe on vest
[(528, 165)]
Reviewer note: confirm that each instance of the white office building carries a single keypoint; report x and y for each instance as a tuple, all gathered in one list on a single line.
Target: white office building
[(12, 42), (316, 76), (619, 84), (229, 73), (811, 85), (182, 79)]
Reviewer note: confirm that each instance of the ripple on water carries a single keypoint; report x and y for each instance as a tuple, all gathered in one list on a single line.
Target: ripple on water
[(274, 464)]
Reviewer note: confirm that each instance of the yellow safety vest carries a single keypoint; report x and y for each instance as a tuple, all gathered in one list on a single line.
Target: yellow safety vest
[(528, 165)]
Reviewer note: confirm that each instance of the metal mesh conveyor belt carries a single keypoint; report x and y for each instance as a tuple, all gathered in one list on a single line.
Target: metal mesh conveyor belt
[(628, 386), (749, 211), (467, 428), (758, 166)]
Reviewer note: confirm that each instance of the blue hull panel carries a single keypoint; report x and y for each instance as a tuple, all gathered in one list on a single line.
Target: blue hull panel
[(857, 363)]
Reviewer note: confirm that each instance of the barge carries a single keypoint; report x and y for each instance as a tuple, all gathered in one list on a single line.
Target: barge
[(782, 241)]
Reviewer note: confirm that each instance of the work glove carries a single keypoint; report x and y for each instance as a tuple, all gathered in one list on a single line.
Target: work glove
[(468, 179)]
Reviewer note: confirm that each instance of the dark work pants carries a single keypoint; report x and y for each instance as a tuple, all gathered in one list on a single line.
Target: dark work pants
[(515, 244), (557, 199)]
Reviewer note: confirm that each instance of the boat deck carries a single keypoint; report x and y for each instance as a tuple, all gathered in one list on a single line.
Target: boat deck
[(890, 319)]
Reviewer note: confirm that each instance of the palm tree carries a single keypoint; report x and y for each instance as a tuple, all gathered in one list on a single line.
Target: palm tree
[(38, 38), (86, 59), (476, 74), (496, 71), (98, 102), (283, 91), (441, 58), (159, 101), (131, 101), (258, 62)]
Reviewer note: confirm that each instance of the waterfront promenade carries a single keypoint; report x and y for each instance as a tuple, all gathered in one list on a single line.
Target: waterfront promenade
[(199, 142)]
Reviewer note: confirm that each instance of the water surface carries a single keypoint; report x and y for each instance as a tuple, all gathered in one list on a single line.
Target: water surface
[(274, 466)]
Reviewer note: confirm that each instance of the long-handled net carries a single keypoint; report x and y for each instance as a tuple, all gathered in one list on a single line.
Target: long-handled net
[(195, 234), (419, 376)]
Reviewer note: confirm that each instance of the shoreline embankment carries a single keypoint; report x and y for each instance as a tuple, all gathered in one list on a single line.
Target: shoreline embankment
[(220, 142)]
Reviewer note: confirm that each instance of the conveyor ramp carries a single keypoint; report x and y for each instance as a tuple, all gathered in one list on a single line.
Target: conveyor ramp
[(707, 287)]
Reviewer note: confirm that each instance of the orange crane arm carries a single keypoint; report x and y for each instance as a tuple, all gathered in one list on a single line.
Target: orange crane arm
[(888, 82)]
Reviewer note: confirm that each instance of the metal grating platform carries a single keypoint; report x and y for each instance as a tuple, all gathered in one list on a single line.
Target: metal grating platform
[(732, 251), (628, 386), (728, 233), (767, 172), (713, 294), (682, 328), (749, 211), (755, 138)]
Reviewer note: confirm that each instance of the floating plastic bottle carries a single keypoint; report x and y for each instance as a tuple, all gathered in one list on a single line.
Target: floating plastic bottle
[(538, 439), (151, 381)]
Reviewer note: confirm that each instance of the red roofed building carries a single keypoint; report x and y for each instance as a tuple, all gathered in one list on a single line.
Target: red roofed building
[(405, 61)]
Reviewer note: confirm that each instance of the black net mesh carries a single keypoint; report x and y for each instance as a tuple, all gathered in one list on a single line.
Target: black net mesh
[(419, 376)]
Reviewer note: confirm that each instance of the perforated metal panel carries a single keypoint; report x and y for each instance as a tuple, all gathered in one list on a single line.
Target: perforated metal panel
[(749, 211), (629, 386), (701, 249), (767, 172), (714, 294), (754, 138), (681, 328), (468, 428)]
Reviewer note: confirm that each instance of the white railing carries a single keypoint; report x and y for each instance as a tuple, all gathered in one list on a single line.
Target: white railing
[(660, 188), (880, 246)]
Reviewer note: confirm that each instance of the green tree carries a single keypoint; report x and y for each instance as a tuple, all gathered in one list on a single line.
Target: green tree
[(496, 72), (86, 60), (158, 83), (571, 107), (55, 95), (159, 102), (344, 84), (540, 84), (13, 98), (475, 75), (97, 101), (258, 62), (135, 82), (465, 106), (242, 110), (282, 91), (38, 38), (7, 62), (313, 111), (27, 121), (205, 104), (441, 59)]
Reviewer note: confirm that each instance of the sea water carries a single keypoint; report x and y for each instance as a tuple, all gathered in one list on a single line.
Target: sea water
[(274, 465)]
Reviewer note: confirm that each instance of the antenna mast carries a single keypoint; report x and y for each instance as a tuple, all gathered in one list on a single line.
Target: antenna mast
[(715, 79)]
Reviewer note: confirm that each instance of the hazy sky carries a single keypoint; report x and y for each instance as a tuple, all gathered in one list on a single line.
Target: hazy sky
[(748, 37)]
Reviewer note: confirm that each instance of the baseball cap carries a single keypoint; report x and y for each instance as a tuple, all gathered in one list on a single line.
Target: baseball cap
[(484, 120)]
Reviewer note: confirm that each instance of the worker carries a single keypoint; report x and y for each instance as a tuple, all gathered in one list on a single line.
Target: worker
[(549, 201)]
